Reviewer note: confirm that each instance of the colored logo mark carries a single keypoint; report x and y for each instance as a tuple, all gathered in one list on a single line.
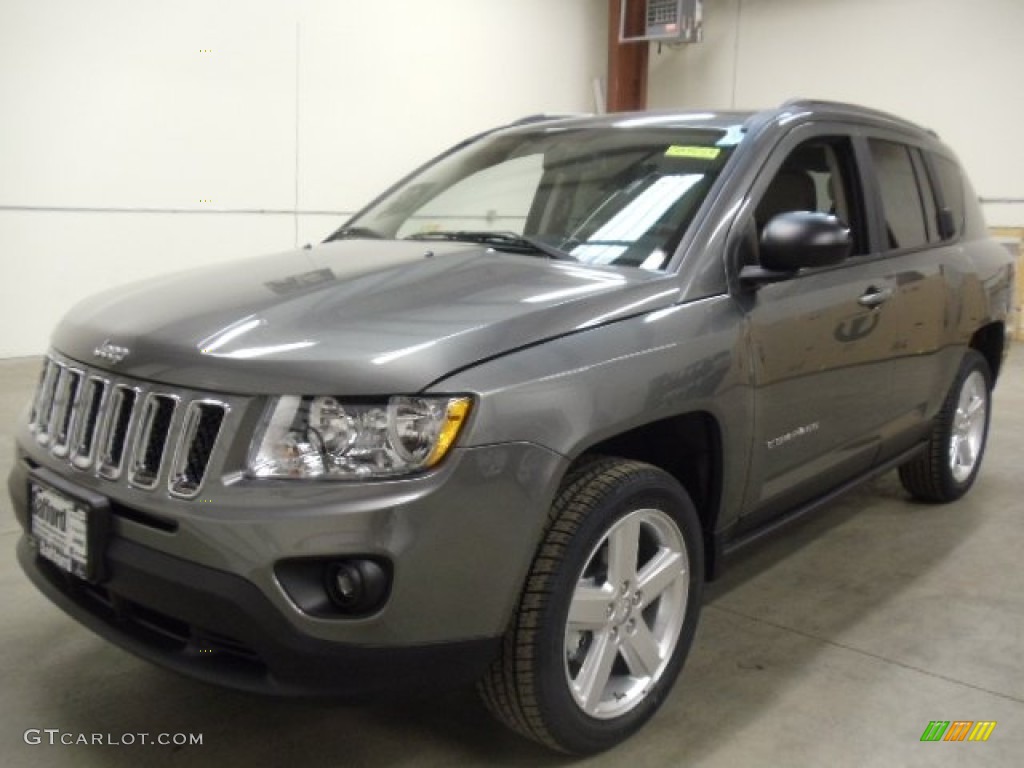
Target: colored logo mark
[(958, 730)]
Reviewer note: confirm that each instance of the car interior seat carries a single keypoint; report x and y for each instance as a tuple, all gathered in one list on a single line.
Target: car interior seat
[(792, 189)]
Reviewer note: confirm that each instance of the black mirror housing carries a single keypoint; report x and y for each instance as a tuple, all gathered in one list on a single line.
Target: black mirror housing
[(804, 240)]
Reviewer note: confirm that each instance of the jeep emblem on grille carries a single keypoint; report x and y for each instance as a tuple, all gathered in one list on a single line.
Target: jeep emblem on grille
[(112, 353)]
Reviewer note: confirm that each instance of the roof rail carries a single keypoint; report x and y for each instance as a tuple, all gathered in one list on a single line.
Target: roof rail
[(544, 117), (848, 107)]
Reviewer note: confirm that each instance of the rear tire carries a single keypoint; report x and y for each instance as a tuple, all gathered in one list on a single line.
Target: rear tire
[(608, 611), (946, 470)]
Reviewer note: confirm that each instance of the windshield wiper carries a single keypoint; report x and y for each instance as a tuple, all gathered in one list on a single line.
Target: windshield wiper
[(355, 233), (502, 241)]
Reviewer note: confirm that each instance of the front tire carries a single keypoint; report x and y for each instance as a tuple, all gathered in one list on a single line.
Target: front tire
[(608, 612), (947, 469)]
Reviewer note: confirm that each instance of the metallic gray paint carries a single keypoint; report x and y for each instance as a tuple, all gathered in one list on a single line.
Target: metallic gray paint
[(558, 357), (356, 317), (488, 504)]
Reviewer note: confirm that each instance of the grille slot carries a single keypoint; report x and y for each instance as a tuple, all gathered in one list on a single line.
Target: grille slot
[(64, 410), (40, 401), (47, 391), (119, 421), (199, 433), (157, 413), (93, 400), (119, 426)]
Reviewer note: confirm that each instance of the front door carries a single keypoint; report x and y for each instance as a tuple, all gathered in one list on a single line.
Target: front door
[(820, 342)]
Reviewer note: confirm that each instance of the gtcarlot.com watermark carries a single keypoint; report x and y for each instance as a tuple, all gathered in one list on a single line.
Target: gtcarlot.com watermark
[(55, 737)]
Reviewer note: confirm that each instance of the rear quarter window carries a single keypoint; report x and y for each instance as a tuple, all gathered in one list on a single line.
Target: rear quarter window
[(951, 189)]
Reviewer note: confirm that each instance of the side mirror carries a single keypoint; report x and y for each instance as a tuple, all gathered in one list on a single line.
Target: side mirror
[(799, 240), (803, 239)]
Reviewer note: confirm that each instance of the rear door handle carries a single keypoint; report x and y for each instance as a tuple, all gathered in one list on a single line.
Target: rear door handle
[(875, 297)]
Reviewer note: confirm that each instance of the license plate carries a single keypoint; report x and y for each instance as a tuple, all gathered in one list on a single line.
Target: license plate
[(60, 526)]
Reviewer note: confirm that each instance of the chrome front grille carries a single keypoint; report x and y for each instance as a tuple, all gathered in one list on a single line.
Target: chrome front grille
[(202, 423), (86, 428), (43, 409), (117, 426), (151, 439), (63, 410)]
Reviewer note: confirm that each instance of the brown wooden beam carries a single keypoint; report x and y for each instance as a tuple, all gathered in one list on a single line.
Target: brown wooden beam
[(627, 62)]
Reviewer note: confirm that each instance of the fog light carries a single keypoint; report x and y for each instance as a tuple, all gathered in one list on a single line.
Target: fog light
[(348, 585), (356, 586)]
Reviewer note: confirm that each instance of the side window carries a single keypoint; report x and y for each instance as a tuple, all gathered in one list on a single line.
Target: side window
[(951, 189), (928, 204), (901, 196), (819, 175)]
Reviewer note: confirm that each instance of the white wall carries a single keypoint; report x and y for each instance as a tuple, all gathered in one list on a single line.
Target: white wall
[(204, 110), (954, 66)]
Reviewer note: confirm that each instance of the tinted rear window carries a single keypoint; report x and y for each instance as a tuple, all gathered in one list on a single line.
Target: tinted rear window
[(951, 188), (901, 195)]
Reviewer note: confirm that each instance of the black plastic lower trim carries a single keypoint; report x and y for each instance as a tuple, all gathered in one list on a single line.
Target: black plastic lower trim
[(731, 546), (220, 628)]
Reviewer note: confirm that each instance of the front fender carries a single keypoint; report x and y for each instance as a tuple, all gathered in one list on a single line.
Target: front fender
[(573, 392)]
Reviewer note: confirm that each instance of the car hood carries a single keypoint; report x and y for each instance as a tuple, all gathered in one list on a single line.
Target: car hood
[(354, 317)]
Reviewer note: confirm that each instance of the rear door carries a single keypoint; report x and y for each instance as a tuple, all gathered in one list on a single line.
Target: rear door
[(921, 251)]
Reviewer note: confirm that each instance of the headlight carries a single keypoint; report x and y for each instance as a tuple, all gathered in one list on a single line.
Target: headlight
[(330, 438)]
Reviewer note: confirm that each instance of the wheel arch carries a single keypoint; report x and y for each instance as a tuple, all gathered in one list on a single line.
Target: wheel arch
[(990, 341), (689, 448)]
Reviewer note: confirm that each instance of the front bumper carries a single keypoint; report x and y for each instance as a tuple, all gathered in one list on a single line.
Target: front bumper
[(201, 596), (217, 627)]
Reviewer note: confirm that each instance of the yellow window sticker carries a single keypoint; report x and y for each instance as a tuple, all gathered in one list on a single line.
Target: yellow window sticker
[(701, 153)]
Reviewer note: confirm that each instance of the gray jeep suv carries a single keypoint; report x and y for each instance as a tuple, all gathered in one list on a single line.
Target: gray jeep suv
[(504, 423)]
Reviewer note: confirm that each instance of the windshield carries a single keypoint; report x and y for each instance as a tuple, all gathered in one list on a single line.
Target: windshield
[(597, 195)]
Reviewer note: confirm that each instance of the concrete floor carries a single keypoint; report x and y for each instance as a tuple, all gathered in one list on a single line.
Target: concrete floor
[(833, 645)]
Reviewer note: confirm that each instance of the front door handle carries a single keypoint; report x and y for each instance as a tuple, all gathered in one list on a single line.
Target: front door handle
[(875, 297)]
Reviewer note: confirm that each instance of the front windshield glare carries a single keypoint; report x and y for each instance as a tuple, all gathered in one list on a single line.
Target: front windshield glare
[(597, 195)]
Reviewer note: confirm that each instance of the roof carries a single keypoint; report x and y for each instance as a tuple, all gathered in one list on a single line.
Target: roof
[(721, 120), (725, 119)]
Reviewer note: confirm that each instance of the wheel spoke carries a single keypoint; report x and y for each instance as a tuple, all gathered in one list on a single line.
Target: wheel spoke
[(597, 668), (589, 607), (641, 652), (965, 453), (976, 404), (960, 418), (659, 574), (623, 545)]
